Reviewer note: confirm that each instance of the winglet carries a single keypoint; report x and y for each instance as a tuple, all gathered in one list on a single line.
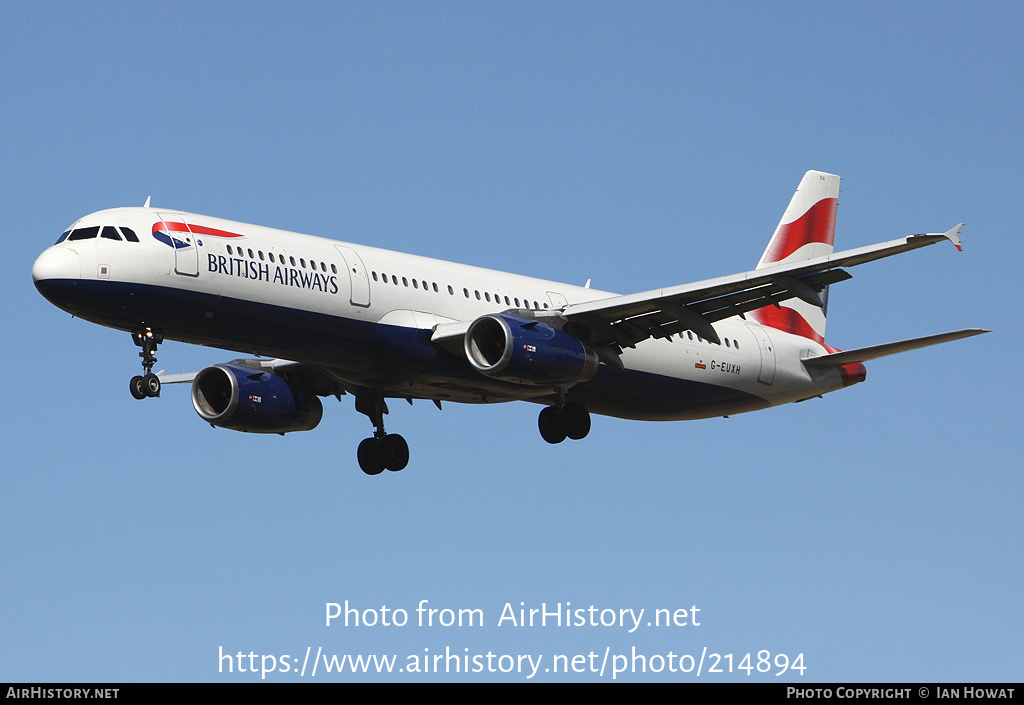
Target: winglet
[(954, 236), (951, 235)]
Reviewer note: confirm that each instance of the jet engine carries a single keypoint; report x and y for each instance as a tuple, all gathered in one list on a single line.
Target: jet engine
[(252, 400), (527, 351)]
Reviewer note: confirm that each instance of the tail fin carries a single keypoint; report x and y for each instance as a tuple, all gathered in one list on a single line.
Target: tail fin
[(807, 230)]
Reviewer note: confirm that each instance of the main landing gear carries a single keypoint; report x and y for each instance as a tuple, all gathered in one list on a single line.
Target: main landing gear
[(571, 420), (383, 451), (147, 385)]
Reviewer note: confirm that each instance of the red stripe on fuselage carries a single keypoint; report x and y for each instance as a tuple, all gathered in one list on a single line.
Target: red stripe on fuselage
[(818, 224), (179, 227)]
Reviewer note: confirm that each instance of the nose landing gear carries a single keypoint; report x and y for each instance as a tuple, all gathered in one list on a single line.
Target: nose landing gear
[(383, 451), (148, 384)]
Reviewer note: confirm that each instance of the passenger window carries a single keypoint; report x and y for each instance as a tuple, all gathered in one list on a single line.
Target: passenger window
[(333, 268), (415, 284), (129, 234), (292, 260), (405, 282), (261, 255), (374, 275), (302, 262)]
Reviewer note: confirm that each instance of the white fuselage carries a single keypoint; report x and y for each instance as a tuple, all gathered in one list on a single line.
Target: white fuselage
[(366, 315)]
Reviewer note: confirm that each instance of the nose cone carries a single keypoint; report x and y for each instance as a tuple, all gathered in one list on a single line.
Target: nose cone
[(56, 263), (56, 274)]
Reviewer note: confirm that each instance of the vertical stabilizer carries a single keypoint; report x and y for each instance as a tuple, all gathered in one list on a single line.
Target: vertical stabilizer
[(807, 230)]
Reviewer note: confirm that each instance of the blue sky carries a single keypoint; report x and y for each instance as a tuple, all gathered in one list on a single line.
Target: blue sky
[(876, 531)]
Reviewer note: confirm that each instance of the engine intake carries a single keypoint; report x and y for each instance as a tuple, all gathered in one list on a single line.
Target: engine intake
[(527, 351), (254, 401)]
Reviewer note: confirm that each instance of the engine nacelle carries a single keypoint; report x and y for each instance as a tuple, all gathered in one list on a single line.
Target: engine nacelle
[(527, 351), (254, 401)]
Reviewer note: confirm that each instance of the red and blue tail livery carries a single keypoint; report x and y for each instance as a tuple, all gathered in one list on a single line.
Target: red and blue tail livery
[(327, 318)]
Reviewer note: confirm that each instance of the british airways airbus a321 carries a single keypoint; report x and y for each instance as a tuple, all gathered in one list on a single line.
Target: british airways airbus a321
[(333, 318)]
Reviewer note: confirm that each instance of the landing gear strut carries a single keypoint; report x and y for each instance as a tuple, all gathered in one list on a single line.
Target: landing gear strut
[(571, 420), (148, 384), (383, 451)]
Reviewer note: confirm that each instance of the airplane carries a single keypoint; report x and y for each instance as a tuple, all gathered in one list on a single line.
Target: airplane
[(329, 318)]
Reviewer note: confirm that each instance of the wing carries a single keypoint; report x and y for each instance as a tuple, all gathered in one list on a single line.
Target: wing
[(623, 321), (275, 366)]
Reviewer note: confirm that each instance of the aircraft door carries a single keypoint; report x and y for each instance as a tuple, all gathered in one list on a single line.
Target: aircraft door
[(764, 342), (186, 249), (557, 300), (360, 289)]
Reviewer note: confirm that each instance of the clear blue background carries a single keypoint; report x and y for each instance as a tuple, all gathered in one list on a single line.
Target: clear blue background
[(877, 531)]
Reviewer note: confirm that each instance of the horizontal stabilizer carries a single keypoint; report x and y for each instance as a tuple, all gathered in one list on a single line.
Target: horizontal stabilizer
[(875, 351)]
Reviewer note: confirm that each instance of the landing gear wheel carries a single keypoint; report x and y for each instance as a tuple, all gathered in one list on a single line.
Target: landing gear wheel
[(394, 451), (550, 425), (575, 420), (383, 451), (137, 387), (371, 460), (151, 385)]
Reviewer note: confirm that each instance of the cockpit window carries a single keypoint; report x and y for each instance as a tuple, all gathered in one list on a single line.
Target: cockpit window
[(84, 233), (109, 232)]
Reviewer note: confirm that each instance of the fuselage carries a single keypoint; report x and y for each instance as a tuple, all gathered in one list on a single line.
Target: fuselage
[(366, 315)]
